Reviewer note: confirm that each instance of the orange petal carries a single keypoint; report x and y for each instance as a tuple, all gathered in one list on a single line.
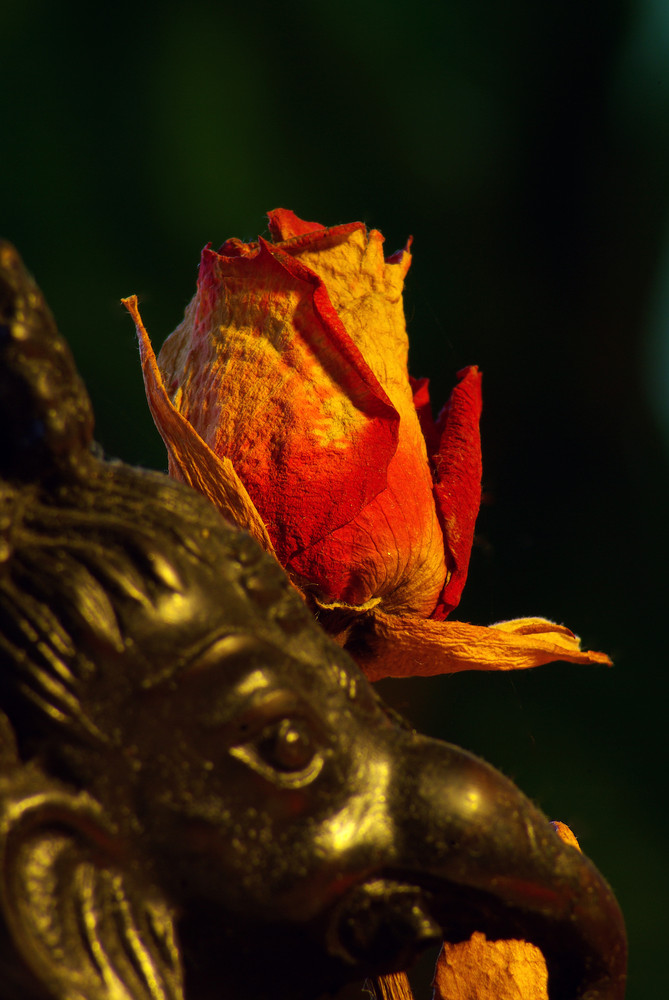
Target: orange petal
[(191, 460), (408, 646)]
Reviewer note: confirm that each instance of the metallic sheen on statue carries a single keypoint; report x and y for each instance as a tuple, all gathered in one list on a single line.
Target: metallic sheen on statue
[(200, 794)]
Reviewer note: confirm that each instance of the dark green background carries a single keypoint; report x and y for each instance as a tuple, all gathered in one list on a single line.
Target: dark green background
[(525, 146)]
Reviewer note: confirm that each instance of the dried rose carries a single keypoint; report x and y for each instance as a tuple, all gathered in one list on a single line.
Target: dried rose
[(284, 396)]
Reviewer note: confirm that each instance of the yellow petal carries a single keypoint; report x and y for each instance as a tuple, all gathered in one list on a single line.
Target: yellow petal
[(366, 292), (409, 646), (191, 460)]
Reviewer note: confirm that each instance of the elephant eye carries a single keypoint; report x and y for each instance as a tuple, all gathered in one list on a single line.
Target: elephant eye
[(287, 745), (285, 751)]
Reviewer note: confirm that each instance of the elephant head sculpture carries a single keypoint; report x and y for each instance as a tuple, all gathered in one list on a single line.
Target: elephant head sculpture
[(200, 794)]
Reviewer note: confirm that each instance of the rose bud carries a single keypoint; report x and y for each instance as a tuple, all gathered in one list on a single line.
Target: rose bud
[(284, 396)]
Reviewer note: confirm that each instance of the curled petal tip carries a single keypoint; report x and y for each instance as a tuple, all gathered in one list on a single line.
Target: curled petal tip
[(284, 225)]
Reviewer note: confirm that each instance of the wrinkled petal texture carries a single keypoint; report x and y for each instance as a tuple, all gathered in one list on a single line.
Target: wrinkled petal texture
[(408, 646), (291, 361), (284, 397)]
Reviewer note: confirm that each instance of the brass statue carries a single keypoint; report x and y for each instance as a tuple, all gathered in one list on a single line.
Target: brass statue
[(200, 794)]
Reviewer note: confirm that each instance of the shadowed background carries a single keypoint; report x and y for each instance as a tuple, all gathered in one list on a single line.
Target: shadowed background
[(526, 148)]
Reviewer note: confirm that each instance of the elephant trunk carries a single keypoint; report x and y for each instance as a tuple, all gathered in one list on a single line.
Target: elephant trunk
[(491, 862)]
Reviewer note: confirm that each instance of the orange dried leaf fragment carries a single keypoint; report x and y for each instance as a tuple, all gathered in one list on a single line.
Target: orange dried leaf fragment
[(480, 969), (409, 646)]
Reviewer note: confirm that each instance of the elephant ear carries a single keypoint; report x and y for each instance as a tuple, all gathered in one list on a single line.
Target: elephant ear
[(42, 397), (76, 918)]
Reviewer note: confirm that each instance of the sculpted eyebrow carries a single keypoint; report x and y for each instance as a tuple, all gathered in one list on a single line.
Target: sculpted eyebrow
[(226, 647)]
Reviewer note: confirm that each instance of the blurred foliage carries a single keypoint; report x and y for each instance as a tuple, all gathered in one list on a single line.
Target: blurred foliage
[(525, 146)]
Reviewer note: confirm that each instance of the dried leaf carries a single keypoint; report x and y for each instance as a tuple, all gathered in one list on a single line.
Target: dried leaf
[(190, 459), (407, 646), (479, 969)]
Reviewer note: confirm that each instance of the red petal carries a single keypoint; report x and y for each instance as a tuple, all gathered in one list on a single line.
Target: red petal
[(399, 256), (421, 401), (284, 224), (236, 248), (457, 486)]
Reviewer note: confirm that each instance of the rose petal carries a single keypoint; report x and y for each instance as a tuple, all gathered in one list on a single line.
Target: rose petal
[(365, 291), (284, 224), (457, 487), (420, 388), (295, 235), (190, 460), (399, 256), (406, 646)]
